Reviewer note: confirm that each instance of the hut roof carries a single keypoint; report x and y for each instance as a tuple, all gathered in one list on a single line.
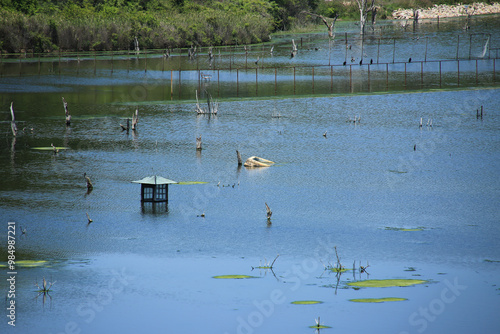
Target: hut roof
[(155, 180)]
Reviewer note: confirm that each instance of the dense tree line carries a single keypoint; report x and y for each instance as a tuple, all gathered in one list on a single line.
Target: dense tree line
[(48, 25)]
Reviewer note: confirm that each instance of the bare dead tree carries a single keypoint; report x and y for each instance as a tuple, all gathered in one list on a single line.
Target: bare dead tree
[(330, 26), (364, 9)]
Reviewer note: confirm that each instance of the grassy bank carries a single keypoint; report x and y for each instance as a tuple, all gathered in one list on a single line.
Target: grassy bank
[(103, 25)]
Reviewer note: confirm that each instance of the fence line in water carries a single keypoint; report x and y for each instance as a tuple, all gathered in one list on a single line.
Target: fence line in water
[(237, 79)]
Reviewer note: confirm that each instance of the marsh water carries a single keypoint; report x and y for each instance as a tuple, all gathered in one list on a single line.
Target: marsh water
[(404, 200)]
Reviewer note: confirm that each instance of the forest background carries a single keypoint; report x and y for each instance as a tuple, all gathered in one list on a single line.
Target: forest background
[(105, 25)]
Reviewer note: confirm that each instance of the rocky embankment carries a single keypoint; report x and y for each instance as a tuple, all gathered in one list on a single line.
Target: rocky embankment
[(447, 11)]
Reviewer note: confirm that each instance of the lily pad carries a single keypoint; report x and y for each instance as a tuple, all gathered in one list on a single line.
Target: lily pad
[(233, 276), (306, 302), (377, 300), (50, 148), (337, 270), (385, 283)]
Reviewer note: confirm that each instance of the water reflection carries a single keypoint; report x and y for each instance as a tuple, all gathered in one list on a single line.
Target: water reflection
[(155, 208)]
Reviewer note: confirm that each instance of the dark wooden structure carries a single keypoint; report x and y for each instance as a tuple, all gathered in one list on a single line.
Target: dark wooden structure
[(154, 188)]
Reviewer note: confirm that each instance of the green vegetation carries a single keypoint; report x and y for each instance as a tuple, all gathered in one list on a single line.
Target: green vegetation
[(306, 302), (233, 276), (384, 283), (103, 25), (377, 300)]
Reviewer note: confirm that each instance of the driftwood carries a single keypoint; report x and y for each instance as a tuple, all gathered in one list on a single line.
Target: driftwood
[(212, 107), (198, 143), (294, 49), (13, 125), (66, 111), (239, 158), (254, 161), (89, 183), (269, 213), (126, 127), (135, 120)]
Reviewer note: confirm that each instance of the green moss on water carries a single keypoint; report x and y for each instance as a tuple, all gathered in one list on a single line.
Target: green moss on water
[(319, 327), (377, 300), (191, 182), (385, 283), (306, 302)]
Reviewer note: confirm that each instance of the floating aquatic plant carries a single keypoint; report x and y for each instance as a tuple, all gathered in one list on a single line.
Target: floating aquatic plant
[(377, 300), (27, 263), (385, 283), (44, 288), (191, 182), (233, 276), (318, 325), (50, 148), (306, 302), (404, 229), (267, 265)]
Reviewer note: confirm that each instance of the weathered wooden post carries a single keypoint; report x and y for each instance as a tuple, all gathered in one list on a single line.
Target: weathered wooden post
[(198, 143), (331, 79), (458, 73), (440, 74), (426, 42), (421, 74), (294, 80), (350, 78), (238, 155), (458, 44), (368, 77), (275, 81), (378, 49), (476, 71), (313, 79), (405, 76), (256, 82), (387, 76), (394, 51)]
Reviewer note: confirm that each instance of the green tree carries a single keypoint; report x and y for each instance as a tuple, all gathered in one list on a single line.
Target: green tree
[(28, 7)]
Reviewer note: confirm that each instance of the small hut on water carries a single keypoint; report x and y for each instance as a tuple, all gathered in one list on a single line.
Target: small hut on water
[(154, 188)]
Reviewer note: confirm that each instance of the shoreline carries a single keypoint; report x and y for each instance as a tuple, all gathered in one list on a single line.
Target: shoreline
[(440, 11)]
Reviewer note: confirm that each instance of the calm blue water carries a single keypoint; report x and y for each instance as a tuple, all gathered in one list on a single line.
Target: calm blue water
[(134, 269)]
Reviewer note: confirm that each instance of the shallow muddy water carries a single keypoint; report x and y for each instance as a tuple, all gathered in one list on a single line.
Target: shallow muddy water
[(411, 202)]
